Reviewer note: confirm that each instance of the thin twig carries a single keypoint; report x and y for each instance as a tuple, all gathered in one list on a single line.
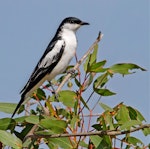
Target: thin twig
[(93, 115), (97, 102), (101, 133)]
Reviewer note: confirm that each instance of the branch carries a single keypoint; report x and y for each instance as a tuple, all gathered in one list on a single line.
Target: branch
[(101, 133), (79, 62)]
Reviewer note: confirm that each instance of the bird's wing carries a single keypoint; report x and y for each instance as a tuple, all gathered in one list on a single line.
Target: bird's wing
[(46, 64)]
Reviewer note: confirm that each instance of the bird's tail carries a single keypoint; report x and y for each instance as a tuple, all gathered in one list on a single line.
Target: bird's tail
[(19, 104)]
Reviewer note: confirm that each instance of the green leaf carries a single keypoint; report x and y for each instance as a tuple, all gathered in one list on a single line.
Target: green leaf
[(76, 108), (33, 119), (135, 114), (128, 124), (104, 92), (96, 140), (57, 126), (63, 112), (40, 94), (52, 145), (83, 144), (124, 68), (10, 140), (97, 67), (6, 123), (74, 121), (20, 119), (61, 142), (105, 143), (97, 126), (84, 103), (132, 113), (77, 82), (122, 115), (7, 107), (146, 131), (67, 97), (140, 116), (109, 120), (100, 81), (134, 141), (85, 65), (91, 58), (106, 107), (24, 132)]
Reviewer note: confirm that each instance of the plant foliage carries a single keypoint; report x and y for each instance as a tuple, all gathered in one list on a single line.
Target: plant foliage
[(66, 112)]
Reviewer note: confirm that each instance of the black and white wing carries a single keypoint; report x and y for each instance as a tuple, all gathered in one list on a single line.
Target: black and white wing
[(46, 64)]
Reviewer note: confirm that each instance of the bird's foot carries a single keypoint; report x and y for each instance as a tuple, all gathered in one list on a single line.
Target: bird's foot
[(72, 72)]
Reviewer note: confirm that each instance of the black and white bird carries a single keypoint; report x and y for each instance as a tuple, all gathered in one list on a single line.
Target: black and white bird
[(56, 57)]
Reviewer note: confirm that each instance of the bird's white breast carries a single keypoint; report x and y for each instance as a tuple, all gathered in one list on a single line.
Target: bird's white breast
[(70, 40)]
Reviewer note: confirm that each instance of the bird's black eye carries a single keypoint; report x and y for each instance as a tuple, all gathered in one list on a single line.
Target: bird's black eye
[(71, 21)]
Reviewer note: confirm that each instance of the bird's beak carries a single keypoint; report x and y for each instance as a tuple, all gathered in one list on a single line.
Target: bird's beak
[(84, 23)]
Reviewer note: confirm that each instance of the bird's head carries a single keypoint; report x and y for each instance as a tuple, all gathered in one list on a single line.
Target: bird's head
[(72, 23)]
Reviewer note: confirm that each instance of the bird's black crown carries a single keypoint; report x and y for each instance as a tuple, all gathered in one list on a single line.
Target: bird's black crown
[(71, 20)]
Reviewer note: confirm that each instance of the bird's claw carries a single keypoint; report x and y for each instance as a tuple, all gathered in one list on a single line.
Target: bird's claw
[(72, 72)]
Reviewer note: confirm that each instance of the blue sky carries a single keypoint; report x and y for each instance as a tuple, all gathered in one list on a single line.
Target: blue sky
[(26, 28)]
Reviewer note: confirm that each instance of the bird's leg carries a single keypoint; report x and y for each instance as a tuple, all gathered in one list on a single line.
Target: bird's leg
[(72, 72)]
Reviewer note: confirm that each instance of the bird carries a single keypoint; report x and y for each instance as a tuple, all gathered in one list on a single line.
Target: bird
[(55, 59)]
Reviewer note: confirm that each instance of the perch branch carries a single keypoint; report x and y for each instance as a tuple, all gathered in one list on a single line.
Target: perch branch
[(101, 133)]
